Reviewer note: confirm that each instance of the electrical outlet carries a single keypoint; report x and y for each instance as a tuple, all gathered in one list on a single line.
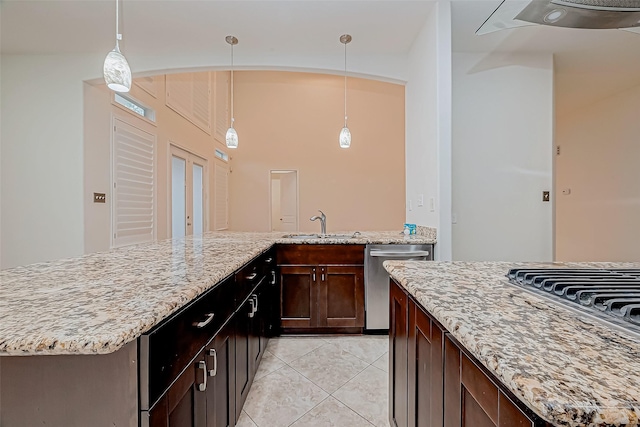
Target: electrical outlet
[(545, 196), (420, 200), (99, 198), (410, 205)]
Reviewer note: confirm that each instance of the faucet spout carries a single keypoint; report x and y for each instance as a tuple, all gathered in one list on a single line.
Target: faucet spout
[(323, 222)]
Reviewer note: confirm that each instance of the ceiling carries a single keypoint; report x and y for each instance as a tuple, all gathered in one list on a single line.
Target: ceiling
[(605, 61)]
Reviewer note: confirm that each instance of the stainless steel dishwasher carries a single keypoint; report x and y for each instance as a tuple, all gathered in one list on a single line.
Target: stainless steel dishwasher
[(376, 279)]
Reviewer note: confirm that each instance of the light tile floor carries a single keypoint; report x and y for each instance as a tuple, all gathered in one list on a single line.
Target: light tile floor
[(320, 382)]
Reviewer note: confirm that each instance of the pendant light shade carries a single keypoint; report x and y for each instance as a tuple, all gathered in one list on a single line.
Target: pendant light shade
[(232, 135), (345, 137), (117, 74), (345, 133)]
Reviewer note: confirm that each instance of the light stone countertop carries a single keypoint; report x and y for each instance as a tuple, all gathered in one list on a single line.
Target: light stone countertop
[(97, 303), (568, 368)]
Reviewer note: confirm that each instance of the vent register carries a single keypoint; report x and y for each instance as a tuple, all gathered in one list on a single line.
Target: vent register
[(611, 294)]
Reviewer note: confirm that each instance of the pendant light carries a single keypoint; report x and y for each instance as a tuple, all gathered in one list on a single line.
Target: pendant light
[(232, 135), (117, 73), (345, 134)]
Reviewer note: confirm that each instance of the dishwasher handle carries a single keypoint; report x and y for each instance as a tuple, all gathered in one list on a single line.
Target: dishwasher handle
[(399, 254)]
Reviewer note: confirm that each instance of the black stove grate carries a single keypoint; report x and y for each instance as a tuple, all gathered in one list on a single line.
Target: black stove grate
[(614, 292)]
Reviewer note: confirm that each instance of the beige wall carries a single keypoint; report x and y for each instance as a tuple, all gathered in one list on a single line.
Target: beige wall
[(170, 128), (600, 219), (291, 120)]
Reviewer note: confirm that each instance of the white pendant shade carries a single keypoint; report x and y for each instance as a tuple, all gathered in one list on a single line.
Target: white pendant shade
[(232, 138), (117, 73), (345, 138)]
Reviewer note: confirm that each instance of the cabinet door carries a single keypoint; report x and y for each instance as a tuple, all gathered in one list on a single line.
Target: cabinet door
[(425, 369), (243, 357), (298, 296), (341, 296), (221, 370), (184, 404), (471, 397), (398, 334)]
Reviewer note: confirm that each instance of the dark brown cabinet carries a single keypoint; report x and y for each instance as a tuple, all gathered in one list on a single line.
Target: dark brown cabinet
[(197, 366), (184, 403), (434, 382), (398, 355), (321, 288), (473, 399), (220, 356), (425, 369)]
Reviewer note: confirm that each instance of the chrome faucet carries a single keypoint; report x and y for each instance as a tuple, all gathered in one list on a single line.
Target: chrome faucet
[(323, 222)]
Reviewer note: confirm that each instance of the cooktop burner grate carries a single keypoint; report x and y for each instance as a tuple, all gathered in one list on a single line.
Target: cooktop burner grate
[(612, 292)]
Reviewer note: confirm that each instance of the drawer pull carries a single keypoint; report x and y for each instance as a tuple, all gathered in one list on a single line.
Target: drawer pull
[(214, 371), (202, 365), (252, 276), (314, 274), (252, 302), (268, 260), (204, 322), (256, 298)]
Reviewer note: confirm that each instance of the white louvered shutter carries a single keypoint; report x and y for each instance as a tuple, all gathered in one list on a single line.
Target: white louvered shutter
[(190, 96), (202, 101), (221, 101), (134, 185), (221, 202)]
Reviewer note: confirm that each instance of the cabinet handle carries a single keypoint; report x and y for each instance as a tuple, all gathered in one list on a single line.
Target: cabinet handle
[(252, 276), (268, 260), (256, 298), (253, 306), (314, 274), (204, 322), (322, 277), (203, 366), (273, 277), (214, 371)]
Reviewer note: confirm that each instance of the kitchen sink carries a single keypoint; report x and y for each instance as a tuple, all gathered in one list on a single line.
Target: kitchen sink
[(320, 236)]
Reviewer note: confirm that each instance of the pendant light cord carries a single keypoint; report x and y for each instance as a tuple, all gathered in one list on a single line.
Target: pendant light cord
[(345, 85), (118, 35)]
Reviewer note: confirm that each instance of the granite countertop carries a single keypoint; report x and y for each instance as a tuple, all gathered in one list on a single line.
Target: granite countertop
[(568, 368), (97, 303)]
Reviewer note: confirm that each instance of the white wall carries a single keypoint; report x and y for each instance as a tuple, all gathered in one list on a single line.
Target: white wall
[(428, 128), (502, 157), (598, 162), (41, 142)]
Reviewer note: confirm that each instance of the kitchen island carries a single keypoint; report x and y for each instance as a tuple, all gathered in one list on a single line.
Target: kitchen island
[(76, 324), (567, 368)]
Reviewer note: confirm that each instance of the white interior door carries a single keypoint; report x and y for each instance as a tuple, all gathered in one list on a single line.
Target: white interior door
[(189, 192), (284, 201)]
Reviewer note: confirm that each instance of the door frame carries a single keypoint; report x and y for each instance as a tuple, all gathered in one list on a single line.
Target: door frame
[(190, 155), (297, 196)]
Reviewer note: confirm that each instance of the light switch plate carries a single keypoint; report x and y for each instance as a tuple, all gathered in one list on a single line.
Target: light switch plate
[(545, 196)]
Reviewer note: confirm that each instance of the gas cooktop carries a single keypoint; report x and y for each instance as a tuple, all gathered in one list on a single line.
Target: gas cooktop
[(610, 294)]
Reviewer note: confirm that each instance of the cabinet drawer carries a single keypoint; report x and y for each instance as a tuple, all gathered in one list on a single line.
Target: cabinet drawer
[(251, 275), (166, 350), (320, 254)]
